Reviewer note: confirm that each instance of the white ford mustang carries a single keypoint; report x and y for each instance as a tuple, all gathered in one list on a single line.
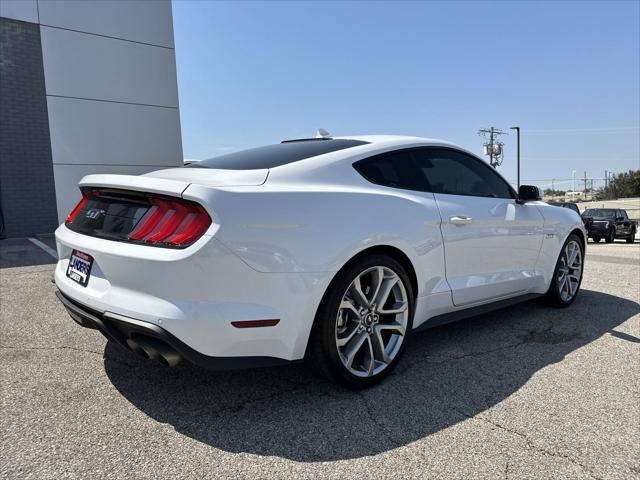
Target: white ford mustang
[(333, 249)]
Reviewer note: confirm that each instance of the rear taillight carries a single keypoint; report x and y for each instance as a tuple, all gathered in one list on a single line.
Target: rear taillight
[(78, 207), (171, 222)]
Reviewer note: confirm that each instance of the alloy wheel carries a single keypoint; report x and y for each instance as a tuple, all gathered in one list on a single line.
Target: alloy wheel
[(372, 320), (569, 271)]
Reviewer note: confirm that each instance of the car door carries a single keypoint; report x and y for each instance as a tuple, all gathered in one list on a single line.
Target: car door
[(491, 242)]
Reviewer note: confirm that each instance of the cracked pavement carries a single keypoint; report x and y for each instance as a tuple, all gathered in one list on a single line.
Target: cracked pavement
[(525, 392)]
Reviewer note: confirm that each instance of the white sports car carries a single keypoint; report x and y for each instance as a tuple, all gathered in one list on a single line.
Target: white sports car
[(333, 249)]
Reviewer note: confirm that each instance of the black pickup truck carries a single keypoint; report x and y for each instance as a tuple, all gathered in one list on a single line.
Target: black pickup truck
[(609, 223)]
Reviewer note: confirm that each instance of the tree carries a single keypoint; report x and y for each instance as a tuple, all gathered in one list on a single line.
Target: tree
[(621, 185), (548, 192)]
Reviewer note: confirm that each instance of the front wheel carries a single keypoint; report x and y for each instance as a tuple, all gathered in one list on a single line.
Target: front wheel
[(363, 323), (596, 239), (611, 236), (567, 276)]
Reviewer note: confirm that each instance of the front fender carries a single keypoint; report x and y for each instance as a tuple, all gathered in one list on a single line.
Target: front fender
[(559, 223)]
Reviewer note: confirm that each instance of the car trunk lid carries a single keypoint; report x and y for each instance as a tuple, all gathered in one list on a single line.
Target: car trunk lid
[(212, 177), (138, 209)]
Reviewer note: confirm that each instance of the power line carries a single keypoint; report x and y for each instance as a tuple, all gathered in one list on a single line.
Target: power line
[(583, 131), (493, 148)]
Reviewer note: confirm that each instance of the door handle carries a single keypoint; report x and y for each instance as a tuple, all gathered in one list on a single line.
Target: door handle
[(460, 219)]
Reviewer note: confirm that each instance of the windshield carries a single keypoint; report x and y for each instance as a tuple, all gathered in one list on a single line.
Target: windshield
[(600, 212), (271, 156)]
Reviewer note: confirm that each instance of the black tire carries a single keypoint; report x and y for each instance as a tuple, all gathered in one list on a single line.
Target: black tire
[(323, 352), (632, 236), (611, 236), (553, 294), (596, 239)]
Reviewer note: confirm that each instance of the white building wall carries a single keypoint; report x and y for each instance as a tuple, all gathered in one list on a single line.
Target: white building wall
[(112, 96)]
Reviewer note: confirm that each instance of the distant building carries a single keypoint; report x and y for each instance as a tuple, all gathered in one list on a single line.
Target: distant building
[(85, 87)]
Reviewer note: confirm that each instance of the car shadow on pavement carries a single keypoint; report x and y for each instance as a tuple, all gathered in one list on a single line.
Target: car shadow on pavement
[(448, 374)]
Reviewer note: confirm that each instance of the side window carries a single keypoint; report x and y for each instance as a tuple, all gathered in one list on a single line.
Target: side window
[(456, 173), (623, 214), (395, 169)]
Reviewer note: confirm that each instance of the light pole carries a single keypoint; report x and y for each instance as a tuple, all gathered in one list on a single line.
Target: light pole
[(517, 129)]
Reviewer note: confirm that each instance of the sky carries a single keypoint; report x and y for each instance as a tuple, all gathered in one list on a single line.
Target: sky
[(567, 73)]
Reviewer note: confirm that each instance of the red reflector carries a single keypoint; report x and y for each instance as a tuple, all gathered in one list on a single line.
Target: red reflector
[(171, 222), (255, 323)]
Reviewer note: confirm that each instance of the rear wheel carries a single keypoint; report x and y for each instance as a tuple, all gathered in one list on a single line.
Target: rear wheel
[(611, 235), (363, 323), (567, 276)]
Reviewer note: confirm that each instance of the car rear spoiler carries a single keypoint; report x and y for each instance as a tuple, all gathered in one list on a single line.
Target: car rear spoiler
[(136, 183)]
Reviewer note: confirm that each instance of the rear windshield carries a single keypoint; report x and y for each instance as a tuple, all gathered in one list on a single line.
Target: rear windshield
[(271, 156)]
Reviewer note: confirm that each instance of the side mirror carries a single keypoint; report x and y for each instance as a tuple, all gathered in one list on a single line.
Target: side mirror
[(619, 219), (528, 193)]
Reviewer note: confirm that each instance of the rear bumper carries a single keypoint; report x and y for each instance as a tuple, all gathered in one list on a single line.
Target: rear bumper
[(129, 332), (195, 295)]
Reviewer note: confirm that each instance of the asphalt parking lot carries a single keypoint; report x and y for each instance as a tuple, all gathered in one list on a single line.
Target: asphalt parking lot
[(527, 392)]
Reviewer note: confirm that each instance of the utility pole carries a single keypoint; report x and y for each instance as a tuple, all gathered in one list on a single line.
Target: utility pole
[(606, 180), (517, 129), (573, 179), (492, 147), (585, 186)]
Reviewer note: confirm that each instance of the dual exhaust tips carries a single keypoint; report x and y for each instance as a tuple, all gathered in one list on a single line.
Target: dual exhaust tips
[(154, 349)]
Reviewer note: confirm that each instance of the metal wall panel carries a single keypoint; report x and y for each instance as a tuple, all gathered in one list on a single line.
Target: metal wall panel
[(107, 133), (146, 21), (89, 66)]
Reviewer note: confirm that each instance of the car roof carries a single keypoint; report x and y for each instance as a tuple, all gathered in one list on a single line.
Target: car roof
[(398, 140), (337, 167)]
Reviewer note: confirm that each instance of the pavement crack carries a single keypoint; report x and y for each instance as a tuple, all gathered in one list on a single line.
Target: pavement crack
[(374, 420), (545, 336), (66, 347), (529, 443), (58, 347), (241, 406), (440, 359)]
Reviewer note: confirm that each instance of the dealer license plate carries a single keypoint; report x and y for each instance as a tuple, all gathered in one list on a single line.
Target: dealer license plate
[(79, 267)]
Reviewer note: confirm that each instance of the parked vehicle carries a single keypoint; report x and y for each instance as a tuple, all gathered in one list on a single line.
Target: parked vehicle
[(330, 249), (609, 223), (569, 205)]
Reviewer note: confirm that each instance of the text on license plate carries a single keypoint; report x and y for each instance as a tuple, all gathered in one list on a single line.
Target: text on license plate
[(79, 267)]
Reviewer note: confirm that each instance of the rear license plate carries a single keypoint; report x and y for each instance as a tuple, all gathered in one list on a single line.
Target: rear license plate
[(79, 267)]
